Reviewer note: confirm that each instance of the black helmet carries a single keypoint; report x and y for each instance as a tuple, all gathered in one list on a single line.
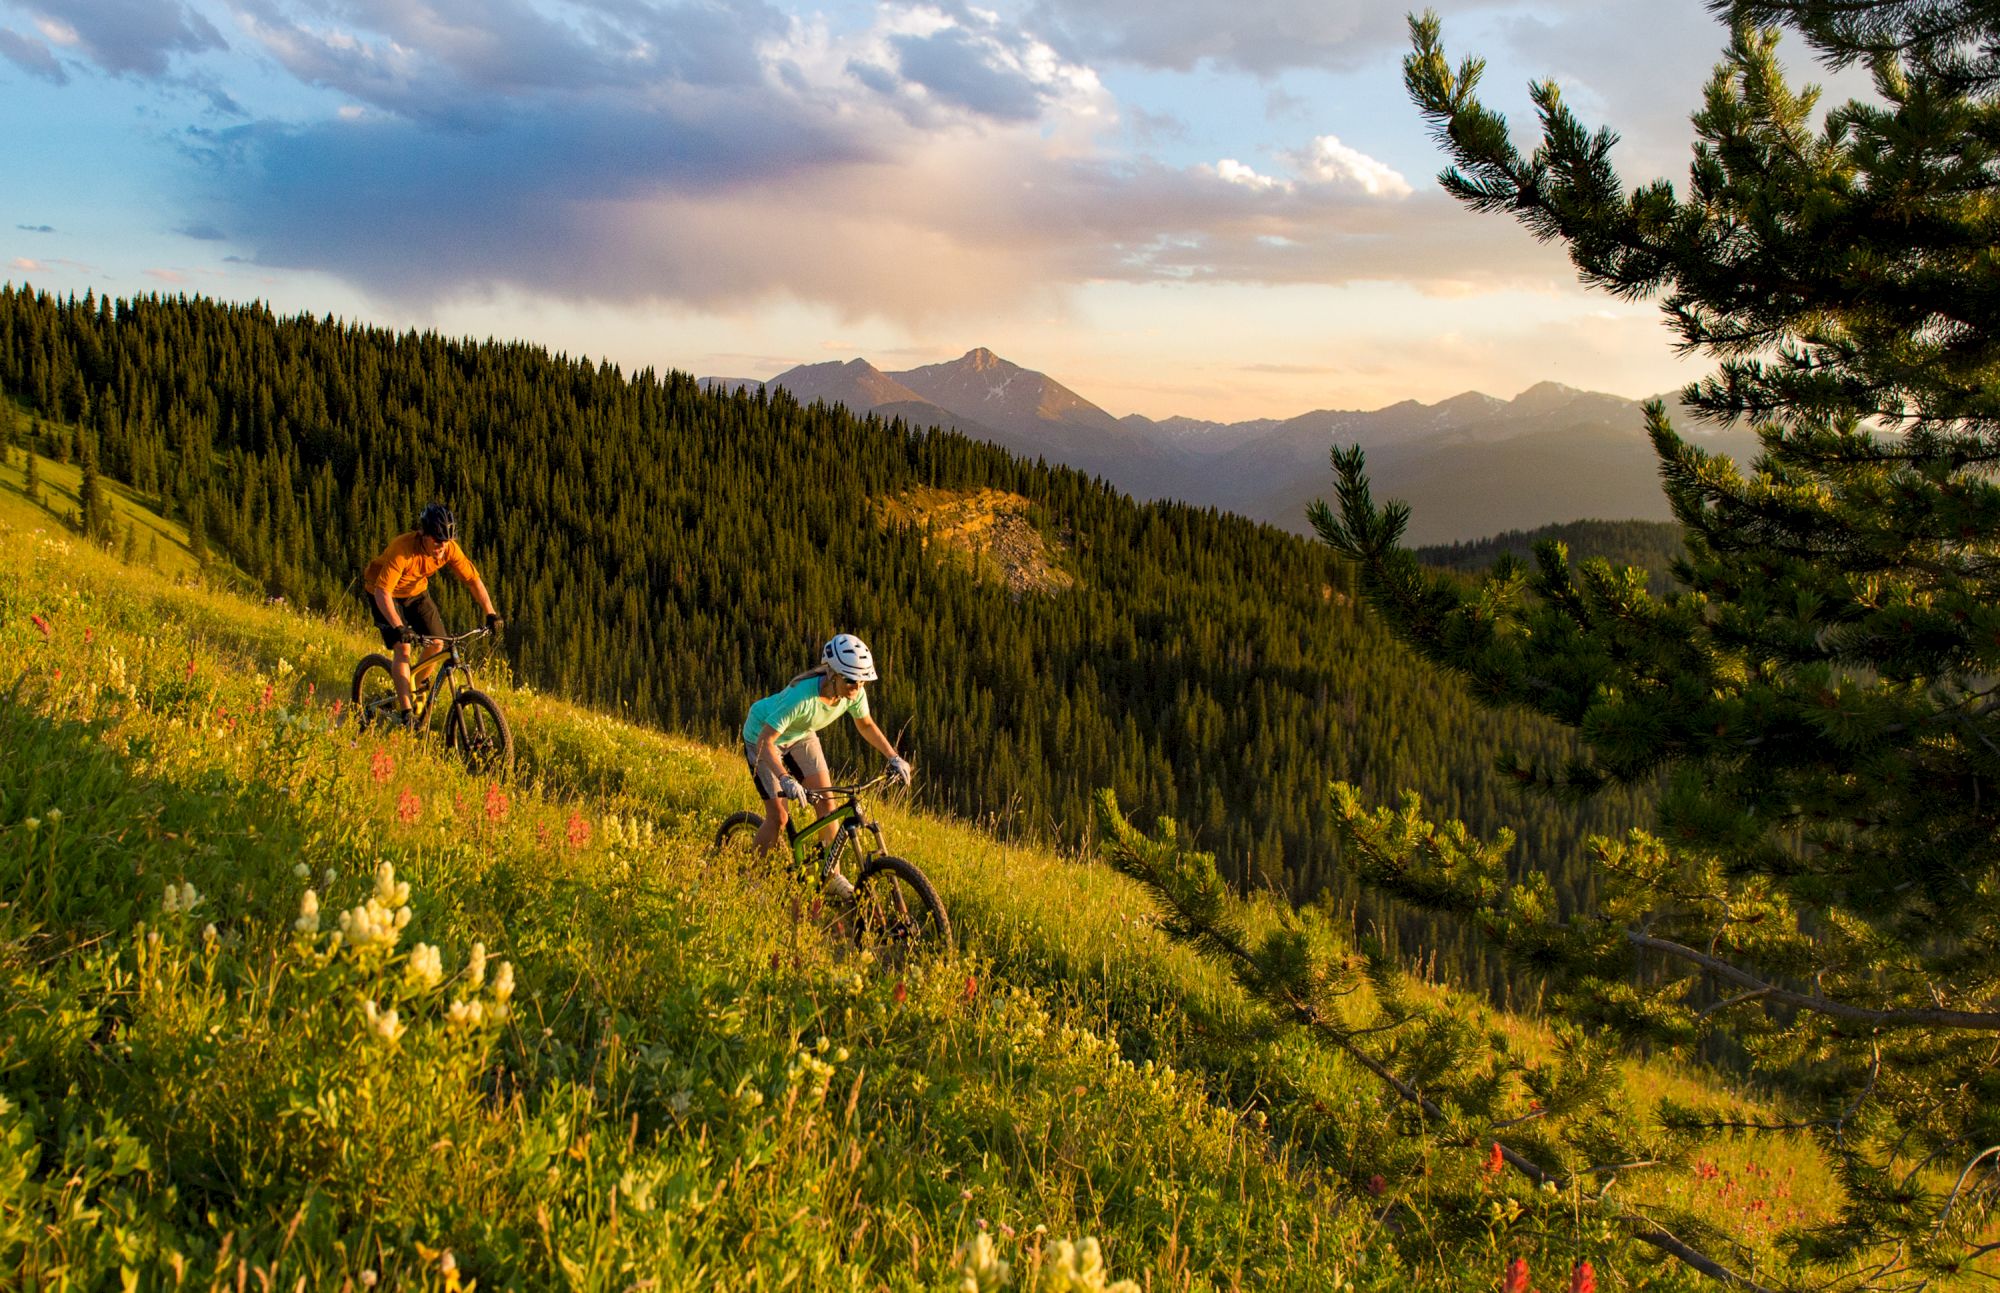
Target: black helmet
[(438, 522)]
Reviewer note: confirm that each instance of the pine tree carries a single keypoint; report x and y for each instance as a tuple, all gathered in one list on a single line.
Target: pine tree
[(33, 485), (1822, 883), (129, 550), (94, 512), (198, 537), (153, 551)]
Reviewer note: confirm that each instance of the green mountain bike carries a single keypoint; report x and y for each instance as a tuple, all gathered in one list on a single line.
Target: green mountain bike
[(892, 911), (473, 723)]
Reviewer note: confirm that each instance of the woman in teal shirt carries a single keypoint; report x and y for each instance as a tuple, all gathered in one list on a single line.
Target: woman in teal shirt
[(781, 736)]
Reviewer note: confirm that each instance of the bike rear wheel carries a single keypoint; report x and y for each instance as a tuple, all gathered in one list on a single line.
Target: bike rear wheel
[(477, 729), (897, 914), (373, 692)]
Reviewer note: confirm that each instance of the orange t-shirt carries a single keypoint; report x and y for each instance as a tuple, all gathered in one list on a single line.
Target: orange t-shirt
[(404, 570)]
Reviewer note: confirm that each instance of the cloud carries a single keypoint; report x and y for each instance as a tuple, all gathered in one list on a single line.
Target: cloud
[(955, 66), (1263, 37), (1329, 161), (122, 37), (201, 232), (36, 228), (167, 275), (31, 56), (27, 263)]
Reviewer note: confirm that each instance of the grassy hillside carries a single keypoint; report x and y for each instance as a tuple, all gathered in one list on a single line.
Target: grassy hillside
[(674, 1081)]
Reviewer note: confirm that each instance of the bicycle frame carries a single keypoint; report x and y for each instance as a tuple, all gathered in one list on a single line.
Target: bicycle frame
[(447, 674), (846, 821)]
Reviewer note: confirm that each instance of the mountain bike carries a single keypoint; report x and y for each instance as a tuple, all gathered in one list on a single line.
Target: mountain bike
[(893, 910), (473, 724)]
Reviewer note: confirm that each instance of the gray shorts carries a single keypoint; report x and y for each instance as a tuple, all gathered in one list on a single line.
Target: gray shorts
[(802, 758)]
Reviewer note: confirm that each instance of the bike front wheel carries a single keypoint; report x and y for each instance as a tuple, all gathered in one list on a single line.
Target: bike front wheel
[(477, 729), (373, 692), (897, 914)]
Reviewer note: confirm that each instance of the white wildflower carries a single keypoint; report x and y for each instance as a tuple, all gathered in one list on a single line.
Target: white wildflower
[(55, 816), (208, 932), (33, 824), (465, 1014), (980, 1267), (284, 667), (178, 900), (308, 921), (383, 1023), (503, 981), (301, 870), (475, 968), (425, 967), (327, 877), (389, 891), (1079, 1268), (373, 925)]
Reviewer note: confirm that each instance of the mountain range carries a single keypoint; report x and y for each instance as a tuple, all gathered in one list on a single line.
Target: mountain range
[(1469, 466)]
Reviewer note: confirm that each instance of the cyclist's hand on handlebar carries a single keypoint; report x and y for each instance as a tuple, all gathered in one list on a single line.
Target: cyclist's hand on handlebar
[(409, 634), (494, 623), (789, 788), (899, 770)]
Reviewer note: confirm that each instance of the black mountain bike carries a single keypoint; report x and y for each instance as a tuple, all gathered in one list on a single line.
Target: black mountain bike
[(473, 724), (893, 910)]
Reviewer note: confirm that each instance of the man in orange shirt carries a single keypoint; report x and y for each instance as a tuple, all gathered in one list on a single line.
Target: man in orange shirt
[(396, 587)]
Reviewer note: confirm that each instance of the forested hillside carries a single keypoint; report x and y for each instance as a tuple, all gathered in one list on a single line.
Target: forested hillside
[(1649, 545), (680, 552)]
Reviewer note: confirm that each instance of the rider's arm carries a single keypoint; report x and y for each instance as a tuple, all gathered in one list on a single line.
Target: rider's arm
[(768, 758), (478, 587), (873, 735), (388, 605)]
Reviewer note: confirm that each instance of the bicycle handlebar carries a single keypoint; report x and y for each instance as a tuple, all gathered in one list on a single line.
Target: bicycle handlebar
[(459, 637)]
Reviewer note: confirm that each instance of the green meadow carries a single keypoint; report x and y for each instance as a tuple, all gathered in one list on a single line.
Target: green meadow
[(292, 1006)]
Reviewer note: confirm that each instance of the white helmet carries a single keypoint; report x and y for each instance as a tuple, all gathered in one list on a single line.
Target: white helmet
[(850, 657)]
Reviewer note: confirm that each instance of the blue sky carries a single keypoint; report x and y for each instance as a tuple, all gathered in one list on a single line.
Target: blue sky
[(1173, 206)]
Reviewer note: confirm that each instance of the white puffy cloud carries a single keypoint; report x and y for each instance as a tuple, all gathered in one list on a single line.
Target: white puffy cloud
[(1329, 161)]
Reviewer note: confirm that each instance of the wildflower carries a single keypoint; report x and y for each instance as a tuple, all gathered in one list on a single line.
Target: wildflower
[(425, 967), (55, 816), (408, 807), (1376, 1185), (980, 1267), (496, 803), (33, 824), (1583, 1279), (680, 1101), (338, 705), (466, 1014), (383, 1023), (1495, 1160), (284, 667), (43, 625), (1080, 1267), (840, 1056), (901, 994), (381, 766), (578, 830), (389, 891), (971, 987), (264, 702), (208, 932), (475, 967), (328, 876), (301, 870), (308, 921), (373, 925), (1516, 1279), (178, 900), (503, 982), (190, 668)]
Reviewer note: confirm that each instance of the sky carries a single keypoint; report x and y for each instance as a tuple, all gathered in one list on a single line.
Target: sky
[(1174, 207)]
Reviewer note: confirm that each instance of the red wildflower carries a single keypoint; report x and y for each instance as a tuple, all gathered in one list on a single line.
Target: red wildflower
[(43, 625), (774, 962), (1516, 1279), (89, 635), (1583, 1279), (265, 703), (190, 667), (408, 807), (496, 803), (381, 765), (1376, 1185), (579, 830), (901, 994), (312, 689), (971, 987), (338, 705), (1495, 1160)]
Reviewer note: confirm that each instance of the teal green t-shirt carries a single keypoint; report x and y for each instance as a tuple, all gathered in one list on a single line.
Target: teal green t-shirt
[(798, 711)]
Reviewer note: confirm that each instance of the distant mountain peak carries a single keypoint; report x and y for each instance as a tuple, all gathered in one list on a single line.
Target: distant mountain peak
[(979, 358)]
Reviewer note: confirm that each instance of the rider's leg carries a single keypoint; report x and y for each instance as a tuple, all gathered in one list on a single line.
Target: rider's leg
[(773, 828), (422, 614), (399, 669)]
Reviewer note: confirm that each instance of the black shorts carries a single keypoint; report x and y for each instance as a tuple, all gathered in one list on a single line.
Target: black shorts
[(419, 612)]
